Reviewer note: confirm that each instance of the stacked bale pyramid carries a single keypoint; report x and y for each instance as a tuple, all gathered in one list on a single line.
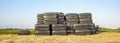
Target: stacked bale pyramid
[(56, 23)]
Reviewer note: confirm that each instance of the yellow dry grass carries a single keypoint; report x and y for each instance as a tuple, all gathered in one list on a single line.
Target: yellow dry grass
[(98, 38)]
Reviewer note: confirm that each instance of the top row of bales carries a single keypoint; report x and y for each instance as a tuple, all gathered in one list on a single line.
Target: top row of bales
[(61, 18)]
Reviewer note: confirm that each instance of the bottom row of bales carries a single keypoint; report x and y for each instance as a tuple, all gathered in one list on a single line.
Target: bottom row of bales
[(65, 29)]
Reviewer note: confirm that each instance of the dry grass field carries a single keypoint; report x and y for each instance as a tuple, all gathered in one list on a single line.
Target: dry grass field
[(97, 38)]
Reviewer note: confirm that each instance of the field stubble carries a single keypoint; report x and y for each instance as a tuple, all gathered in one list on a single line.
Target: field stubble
[(97, 38)]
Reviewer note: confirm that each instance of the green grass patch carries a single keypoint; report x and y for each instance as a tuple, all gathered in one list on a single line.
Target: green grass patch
[(8, 31), (32, 32), (14, 31)]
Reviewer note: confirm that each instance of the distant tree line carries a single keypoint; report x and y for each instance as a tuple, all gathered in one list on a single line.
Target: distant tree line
[(103, 29), (16, 28)]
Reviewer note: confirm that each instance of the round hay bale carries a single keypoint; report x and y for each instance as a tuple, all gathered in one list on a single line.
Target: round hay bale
[(42, 33), (89, 32), (91, 25), (85, 21), (72, 19), (40, 22), (60, 14), (96, 27), (71, 22), (70, 32), (59, 32), (70, 28), (71, 15), (57, 27), (50, 21), (80, 32), (80, 26), (61, 21), (42, 27), (50, 15), (40, 17), (83, 26)]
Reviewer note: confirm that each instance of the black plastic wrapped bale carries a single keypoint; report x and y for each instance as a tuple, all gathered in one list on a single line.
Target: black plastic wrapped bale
[(23, 32), (93, 31), (71, 22), (42, 27), (70, 32), (50, 21), (50, 15), (60, 15), (82, 21), (89, 32), (40, 22), (59, 27), (72, 19), (88, 28), (42, 33), (92, 25), (81, 32), (40, 17), (84, 26), (85, 16), (70, 29), (71, 15), (59, 32), (96, 28), (61, 20)]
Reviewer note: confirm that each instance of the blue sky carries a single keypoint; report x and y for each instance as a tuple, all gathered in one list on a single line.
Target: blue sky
[(22, 13)]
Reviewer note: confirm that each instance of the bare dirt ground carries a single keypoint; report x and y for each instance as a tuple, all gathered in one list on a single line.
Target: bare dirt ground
[(97, 38)]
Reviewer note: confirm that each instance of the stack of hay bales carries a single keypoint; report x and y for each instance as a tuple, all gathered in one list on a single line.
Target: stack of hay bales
[(85, 26), (59, 29), (56, 23), (50, 23), (71, 18), (43, 26), (40, 27)]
